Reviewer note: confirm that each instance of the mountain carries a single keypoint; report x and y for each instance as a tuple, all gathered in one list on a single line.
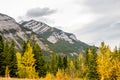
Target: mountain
[(56, 39), (11, 30), (49, 38)]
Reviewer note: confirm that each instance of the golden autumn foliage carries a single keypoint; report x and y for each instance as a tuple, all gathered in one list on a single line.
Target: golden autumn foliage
[(26, 68), (100, 64), (104, 63), (61, 75)]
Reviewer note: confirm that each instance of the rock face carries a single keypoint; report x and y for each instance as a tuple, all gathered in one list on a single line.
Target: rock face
[(35, 26), (55, 34)]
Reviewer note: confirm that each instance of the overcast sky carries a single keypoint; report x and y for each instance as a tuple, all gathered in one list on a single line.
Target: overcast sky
[(92, 21)]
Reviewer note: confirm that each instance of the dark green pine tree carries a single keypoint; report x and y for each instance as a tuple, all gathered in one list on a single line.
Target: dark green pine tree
[(59, 62), (86, 56), (92, 65), (40, 62), (5, 56), (8, 58), (13, 63), (65, 62), (53, 65), (1, 54), (1, 44), (76, 63), (24, 46)]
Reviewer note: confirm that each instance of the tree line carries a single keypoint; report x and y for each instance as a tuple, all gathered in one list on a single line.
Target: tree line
[(93, 64)]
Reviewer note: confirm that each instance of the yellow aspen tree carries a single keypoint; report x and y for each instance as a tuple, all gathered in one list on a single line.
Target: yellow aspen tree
[(116, 69), (82, 66), (26, 67), (116, 65), (104, 64), (71, 69), (61, 75), (49, 76)]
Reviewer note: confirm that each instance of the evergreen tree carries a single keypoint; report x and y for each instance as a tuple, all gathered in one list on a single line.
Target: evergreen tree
[(40, 62), (53, 65), (92, 65), (65, 62), (59, 63), (13, 64), (86, 62), (5, 58), (1, 54), (24, 47), (8, 58), (1, 44)]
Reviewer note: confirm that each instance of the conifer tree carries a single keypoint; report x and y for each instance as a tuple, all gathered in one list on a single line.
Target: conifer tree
[(8, 58), (1, 54), (13, 64), (1, 44), (53, 65), (65, 62), (59, 63), (86, 62), (40, 62), (92, 65), (24, 47), (5, 58)]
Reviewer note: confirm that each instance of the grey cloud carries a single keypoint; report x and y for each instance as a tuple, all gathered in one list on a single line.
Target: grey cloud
[(101, 28), (39, 12), (104, 6), (100, 24)]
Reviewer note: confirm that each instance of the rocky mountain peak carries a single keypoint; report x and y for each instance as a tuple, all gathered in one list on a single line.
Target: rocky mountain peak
[(35, 26), (54, 34)]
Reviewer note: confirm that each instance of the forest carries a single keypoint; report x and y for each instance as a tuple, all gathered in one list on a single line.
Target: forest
[(30, 63)]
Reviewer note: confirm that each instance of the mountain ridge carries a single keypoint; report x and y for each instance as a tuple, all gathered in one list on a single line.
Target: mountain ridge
[(49, 38), (56, 36)]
